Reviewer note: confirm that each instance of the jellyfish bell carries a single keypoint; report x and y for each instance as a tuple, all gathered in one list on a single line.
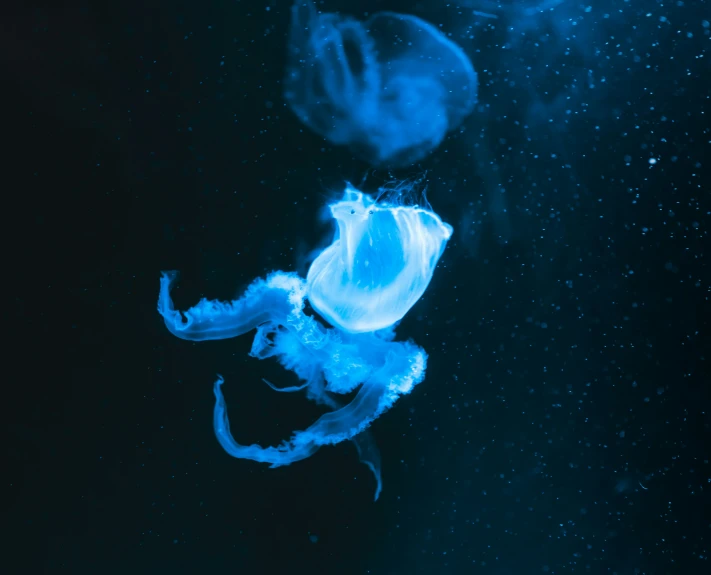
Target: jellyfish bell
[(379, 264), (390, 88)]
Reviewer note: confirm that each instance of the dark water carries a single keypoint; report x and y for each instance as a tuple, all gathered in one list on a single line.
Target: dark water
[(563, 421)]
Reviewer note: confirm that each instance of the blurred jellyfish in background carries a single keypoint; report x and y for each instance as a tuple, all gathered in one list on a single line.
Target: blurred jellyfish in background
[(379, 264), (389, 88)]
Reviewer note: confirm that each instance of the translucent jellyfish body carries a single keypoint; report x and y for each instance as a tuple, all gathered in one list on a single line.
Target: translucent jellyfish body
[(390, 88), (377, 267), (379, 264)]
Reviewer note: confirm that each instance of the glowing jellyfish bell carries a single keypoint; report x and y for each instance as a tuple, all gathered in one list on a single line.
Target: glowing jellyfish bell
[(379, 264)]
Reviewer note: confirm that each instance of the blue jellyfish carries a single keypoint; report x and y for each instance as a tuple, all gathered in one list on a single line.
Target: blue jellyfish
[(379, 264), (390, 88)]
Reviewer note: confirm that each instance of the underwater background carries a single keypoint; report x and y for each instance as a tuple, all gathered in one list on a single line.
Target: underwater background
[(563, 422)]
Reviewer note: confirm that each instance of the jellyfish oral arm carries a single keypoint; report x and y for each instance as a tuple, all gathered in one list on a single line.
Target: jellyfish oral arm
[(328, 361), (210, 319), (373, 398)]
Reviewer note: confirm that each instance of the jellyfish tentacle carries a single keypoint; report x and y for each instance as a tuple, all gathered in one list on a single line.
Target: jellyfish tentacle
[(364, 442), (290, 389)]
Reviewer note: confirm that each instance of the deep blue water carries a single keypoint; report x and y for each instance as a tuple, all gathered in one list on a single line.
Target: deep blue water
[(563, 424)]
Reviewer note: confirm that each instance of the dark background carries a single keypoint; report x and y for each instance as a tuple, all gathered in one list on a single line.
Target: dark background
[(562, 423)]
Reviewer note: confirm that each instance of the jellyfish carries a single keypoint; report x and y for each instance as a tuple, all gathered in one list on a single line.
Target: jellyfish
[(390, 88), (379, 264)]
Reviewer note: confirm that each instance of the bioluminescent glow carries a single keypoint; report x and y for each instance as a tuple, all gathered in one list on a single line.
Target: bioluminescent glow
[(390, 88), (378, 266)]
